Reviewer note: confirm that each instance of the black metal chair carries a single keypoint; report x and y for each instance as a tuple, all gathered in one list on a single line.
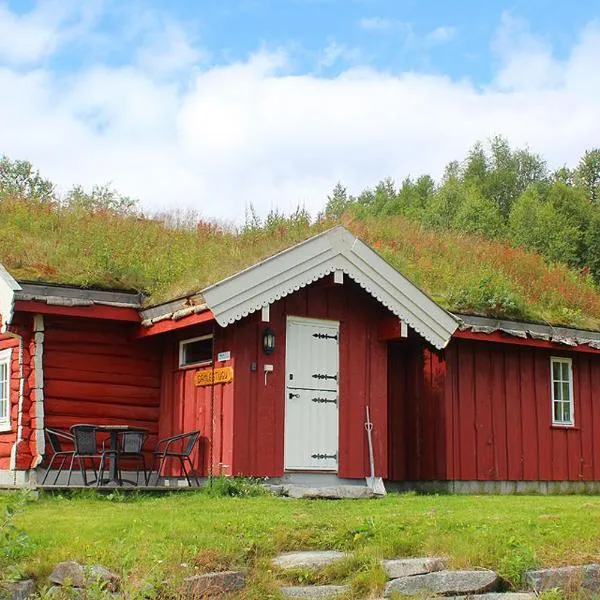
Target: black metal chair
[(56, 438), (177, 447), (131, 445), (86, 447)]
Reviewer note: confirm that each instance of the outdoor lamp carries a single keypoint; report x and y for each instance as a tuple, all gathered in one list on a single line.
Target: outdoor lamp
[(268, 341)]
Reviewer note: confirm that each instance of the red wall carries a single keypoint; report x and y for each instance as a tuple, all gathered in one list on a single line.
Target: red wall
[(416, 412), (26, 449), (186, 407), (259, 410), (248, 424), (94, 372), (498, 405), (7, 439)]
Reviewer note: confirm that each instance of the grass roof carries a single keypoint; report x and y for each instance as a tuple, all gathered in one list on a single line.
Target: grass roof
[(176, 255)]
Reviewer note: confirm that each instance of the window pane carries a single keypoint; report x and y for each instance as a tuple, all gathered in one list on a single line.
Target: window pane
[(557, 395), (565, 392), (557, 412), (565, 372), (198, 351), (555, 370), (567, 412), (3, 391)]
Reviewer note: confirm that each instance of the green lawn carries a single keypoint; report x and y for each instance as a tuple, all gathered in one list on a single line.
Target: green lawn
[(162, 538)]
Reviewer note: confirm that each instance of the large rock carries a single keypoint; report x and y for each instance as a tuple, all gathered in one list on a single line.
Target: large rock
[(405, 567), (354, 492), (76, 575), (445, 583), (314, 591), (565, 578), (213, 584), (20, 590), (311, 559)]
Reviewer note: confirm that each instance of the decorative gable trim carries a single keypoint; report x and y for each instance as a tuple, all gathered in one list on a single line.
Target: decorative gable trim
[(337, 249), (8, 287)]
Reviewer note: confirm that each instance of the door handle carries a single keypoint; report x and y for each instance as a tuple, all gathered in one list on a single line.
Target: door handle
[(292, 395)]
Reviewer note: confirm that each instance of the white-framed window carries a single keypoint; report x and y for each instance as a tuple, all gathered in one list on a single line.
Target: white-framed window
[(196, 351), (5, 356), (562, 391)]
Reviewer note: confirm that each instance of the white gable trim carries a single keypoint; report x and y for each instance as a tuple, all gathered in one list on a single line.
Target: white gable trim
[(336, 249), (8, 287)]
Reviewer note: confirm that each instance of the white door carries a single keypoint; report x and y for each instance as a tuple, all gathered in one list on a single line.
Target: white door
[(311, 394)]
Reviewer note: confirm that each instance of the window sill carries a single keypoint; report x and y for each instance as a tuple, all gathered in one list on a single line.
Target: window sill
[(195, 366), (565, 426), (5, 428)]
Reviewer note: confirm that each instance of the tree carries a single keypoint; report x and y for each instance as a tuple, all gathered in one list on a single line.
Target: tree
[(479, 215), (442, 206), (538, 225), (19, 178), (338, 203), (587, 174)]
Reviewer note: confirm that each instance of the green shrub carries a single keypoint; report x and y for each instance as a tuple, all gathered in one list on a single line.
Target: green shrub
[(240, 487)]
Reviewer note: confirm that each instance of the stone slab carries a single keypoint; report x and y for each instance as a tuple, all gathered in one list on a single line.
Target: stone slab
[(406, 567), (20, 590), (311, 559), (314, 591), (445, 583), (77, 575), (213, 584), (497, 596), (340, 492), (565, 578)]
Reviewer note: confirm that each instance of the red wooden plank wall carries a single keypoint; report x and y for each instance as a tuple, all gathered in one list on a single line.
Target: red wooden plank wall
[(7, 439), (498, 411), (418, 436), (26, 448), (250, 439), (259, 409), (186, 407), (96, 373)]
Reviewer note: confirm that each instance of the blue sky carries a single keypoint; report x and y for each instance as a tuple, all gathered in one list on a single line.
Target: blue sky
[(216, 104)]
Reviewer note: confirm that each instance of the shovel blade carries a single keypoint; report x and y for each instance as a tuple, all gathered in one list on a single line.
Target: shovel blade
[(375, 484)]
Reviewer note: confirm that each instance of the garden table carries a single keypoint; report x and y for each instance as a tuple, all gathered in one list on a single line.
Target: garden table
[(114, 431)]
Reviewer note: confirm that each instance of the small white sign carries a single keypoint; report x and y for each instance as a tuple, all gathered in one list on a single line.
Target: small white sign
[(224, 356)]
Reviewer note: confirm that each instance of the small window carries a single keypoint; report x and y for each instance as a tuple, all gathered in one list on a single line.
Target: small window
[(197, 351), (562, 391), (4, 389)]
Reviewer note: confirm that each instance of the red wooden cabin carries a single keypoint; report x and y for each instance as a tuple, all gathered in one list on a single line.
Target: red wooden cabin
[(276, 365)]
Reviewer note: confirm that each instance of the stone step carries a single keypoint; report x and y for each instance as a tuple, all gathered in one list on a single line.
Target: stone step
[(564, 578), (314, 591), (444, 583), (406, 567), (310, 559)]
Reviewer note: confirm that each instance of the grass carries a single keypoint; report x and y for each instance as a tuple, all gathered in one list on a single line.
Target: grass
[(158, 540), (177, 253)]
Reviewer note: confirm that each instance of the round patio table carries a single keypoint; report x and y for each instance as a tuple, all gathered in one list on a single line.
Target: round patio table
[(113, 470)]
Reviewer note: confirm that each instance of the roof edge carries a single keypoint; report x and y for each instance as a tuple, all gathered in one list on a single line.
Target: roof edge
[(525, 330), (8, 287)]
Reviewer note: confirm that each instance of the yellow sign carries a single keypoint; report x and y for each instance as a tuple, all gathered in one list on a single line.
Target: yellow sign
[(212, 376)]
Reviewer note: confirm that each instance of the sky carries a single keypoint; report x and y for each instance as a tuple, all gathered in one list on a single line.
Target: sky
[(217, 105)]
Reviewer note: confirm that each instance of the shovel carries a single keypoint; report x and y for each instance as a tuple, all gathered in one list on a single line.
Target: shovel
[(375, 484)]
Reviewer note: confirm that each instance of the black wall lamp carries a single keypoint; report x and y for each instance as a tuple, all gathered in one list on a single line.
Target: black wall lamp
[(268, 341)]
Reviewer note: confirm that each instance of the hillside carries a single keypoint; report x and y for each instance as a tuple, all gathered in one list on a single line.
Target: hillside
[(172, 255)]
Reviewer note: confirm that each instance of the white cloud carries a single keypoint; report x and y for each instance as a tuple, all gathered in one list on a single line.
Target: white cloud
[(441, 35), (376, 24), (252, 131), (29, 37)]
